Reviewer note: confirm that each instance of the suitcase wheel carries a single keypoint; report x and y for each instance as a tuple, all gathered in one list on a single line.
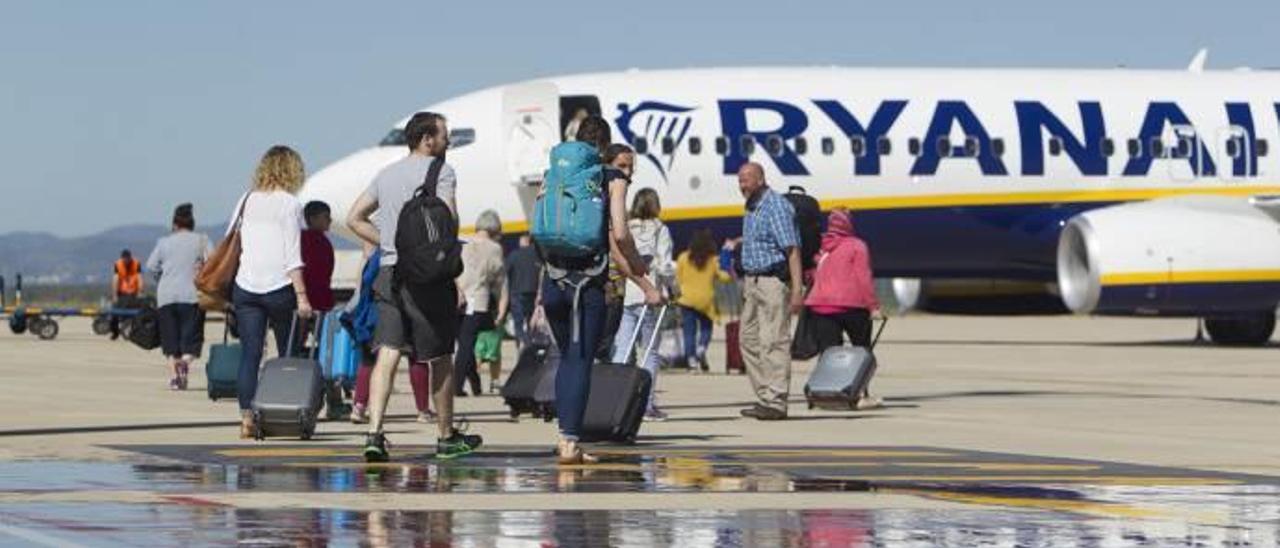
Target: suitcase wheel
[(515, 413)]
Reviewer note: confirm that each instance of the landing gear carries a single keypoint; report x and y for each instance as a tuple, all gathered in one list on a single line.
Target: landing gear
[(1252, 329)]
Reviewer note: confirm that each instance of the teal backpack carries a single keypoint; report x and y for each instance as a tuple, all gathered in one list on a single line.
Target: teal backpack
[(569, 215)]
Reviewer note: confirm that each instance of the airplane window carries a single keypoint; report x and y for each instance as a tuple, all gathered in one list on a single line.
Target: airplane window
[(1260, 146), (801, 146), (641, 145), (1157, 147), (722, 146), (1135, 148), (1108, 147), (695, 146), (971, 147), (884, 147), (1055, 146), (461, 137), (668, 145), (913, 146), (394, 139), (997, 146), (774, 145), (858, 146), (1233, 147), (944, 147), (1184, 148), (828, 146), (748, 144)]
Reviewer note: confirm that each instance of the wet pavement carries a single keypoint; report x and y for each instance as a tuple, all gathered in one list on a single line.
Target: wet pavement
[(313, 495)]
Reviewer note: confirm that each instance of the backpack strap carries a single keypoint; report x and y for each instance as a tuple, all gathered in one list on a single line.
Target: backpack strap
[(432, 179)]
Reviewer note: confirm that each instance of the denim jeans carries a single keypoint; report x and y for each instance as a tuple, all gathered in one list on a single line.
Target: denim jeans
[(573, 379), (624, 346), (522, 305), (464, 359), (697, 333), (253, 314)]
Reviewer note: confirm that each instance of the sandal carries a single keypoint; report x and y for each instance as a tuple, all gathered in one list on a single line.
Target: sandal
[(569, 453), (248, 430)]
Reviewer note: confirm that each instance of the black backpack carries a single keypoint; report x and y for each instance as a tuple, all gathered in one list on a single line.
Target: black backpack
[(427, 247), (809, 222)]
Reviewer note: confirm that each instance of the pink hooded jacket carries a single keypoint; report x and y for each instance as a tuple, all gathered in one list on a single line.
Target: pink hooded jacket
[(843, 277)]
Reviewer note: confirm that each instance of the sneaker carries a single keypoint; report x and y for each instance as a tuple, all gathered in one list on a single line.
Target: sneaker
[(184, 369), (494, 387), (655, 415), (337, 412), (457, 445), (760, 412), (174, 384), (376, 448), (427, 417), (359, 415)]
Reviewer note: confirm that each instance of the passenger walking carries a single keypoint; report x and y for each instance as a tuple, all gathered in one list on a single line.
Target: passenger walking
[(697, 271), (418, 319), (174, 263), (483, 282), (269, 288), (126, 288), (772, 292), (843, 297), (318, 255), (653, 242), (622, 158), (523, 270), (574, 302)]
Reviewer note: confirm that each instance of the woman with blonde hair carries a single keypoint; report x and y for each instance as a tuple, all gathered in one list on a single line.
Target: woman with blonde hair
[(269, 288)]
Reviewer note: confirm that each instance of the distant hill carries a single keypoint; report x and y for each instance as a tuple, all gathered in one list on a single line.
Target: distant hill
[(45, 259)]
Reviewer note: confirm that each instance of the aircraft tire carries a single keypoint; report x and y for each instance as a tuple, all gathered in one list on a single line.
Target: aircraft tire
[(1244, 330), (47, 330)]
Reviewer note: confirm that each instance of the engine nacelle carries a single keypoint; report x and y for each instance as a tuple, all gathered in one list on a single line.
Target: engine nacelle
[(1185, 256), (977, 296)]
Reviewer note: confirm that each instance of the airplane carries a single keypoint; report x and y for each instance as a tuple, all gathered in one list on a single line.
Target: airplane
[(1113, 191)]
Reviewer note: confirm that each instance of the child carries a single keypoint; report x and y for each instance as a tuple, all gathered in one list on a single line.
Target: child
[(317, 273)]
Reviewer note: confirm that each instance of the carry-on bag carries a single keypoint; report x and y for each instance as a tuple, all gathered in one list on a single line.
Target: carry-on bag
[(842, 374), (222, 371), (289, 394), (619, 394), (339, 356), (522, 384)]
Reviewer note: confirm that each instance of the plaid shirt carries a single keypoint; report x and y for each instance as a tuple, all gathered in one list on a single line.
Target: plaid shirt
[(768, 231)]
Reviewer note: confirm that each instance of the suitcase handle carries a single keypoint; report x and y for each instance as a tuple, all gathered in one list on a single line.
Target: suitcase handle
[(635, 337), (883, 322), (293, 337)]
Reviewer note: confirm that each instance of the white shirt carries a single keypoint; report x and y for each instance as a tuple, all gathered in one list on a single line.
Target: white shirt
[(270, 241), (653, 242)]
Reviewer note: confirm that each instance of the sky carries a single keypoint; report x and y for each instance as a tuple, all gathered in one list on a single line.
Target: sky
[(113, 112)]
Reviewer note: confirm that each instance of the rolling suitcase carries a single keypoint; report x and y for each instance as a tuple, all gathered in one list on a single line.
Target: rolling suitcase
[(289, 395), (841, 375), (519, 391), (222, 371), (733, 348), (339, 356), (619, 395)]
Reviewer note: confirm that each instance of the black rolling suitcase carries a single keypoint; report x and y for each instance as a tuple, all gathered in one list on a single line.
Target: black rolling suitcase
[(289, 394), (521, 391), (619, 395)]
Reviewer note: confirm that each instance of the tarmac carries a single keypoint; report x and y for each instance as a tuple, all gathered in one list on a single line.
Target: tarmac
[(1021, 431)]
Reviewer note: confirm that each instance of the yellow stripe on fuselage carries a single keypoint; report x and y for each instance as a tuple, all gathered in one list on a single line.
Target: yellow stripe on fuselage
[(1191, 277), (954, 200)]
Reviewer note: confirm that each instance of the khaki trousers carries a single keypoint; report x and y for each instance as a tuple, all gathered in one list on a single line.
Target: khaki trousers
[(766, 339)]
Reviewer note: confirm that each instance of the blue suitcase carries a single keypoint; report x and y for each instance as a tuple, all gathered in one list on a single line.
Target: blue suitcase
[(339, 355)]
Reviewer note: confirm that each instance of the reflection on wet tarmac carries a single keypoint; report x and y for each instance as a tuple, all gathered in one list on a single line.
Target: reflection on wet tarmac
[(1007, 500)]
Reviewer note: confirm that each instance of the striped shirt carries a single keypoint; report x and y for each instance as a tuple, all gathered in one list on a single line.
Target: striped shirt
[(768, 232)]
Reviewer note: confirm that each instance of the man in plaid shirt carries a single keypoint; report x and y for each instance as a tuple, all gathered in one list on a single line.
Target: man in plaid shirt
[(772, 292)]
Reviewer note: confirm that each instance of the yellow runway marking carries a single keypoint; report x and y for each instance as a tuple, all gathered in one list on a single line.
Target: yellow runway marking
[(284, 452), (1103, 480), (868, 453)]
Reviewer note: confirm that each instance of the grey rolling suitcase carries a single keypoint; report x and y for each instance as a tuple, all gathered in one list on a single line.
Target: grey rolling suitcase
[(289, 395), (841, 375)]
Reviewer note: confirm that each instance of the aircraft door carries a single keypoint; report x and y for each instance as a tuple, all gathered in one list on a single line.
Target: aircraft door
[(1185, 161), (1235, 148), (530, 118)]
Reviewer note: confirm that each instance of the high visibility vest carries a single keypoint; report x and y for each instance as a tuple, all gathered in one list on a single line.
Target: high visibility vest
[(129, 277)]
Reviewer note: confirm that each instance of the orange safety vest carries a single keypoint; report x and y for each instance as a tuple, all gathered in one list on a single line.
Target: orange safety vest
[(129, 277)]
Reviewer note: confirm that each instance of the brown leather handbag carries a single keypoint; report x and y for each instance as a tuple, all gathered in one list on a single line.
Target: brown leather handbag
[(213, 283)]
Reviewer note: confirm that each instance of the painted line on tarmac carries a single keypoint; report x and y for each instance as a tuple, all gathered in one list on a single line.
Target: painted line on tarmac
[(36, 537)]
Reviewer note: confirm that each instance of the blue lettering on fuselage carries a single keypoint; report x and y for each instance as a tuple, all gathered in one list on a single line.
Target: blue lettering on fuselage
[(1085, 152), (881, 121), (1035, 122)]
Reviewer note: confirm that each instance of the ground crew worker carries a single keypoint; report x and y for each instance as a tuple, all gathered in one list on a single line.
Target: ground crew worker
[(126, 288)]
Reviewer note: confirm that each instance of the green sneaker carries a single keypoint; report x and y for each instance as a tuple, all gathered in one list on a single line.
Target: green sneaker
[(375, 448), (457, 445)]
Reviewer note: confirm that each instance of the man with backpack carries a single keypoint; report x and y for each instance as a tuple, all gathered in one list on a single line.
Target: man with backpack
[(577, 240), (772, 292), (417, 298)]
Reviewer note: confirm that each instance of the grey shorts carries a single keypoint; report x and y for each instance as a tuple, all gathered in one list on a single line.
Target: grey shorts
[(421, 321)]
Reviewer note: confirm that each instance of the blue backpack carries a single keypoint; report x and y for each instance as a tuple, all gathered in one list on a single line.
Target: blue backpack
[(569, 214)]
